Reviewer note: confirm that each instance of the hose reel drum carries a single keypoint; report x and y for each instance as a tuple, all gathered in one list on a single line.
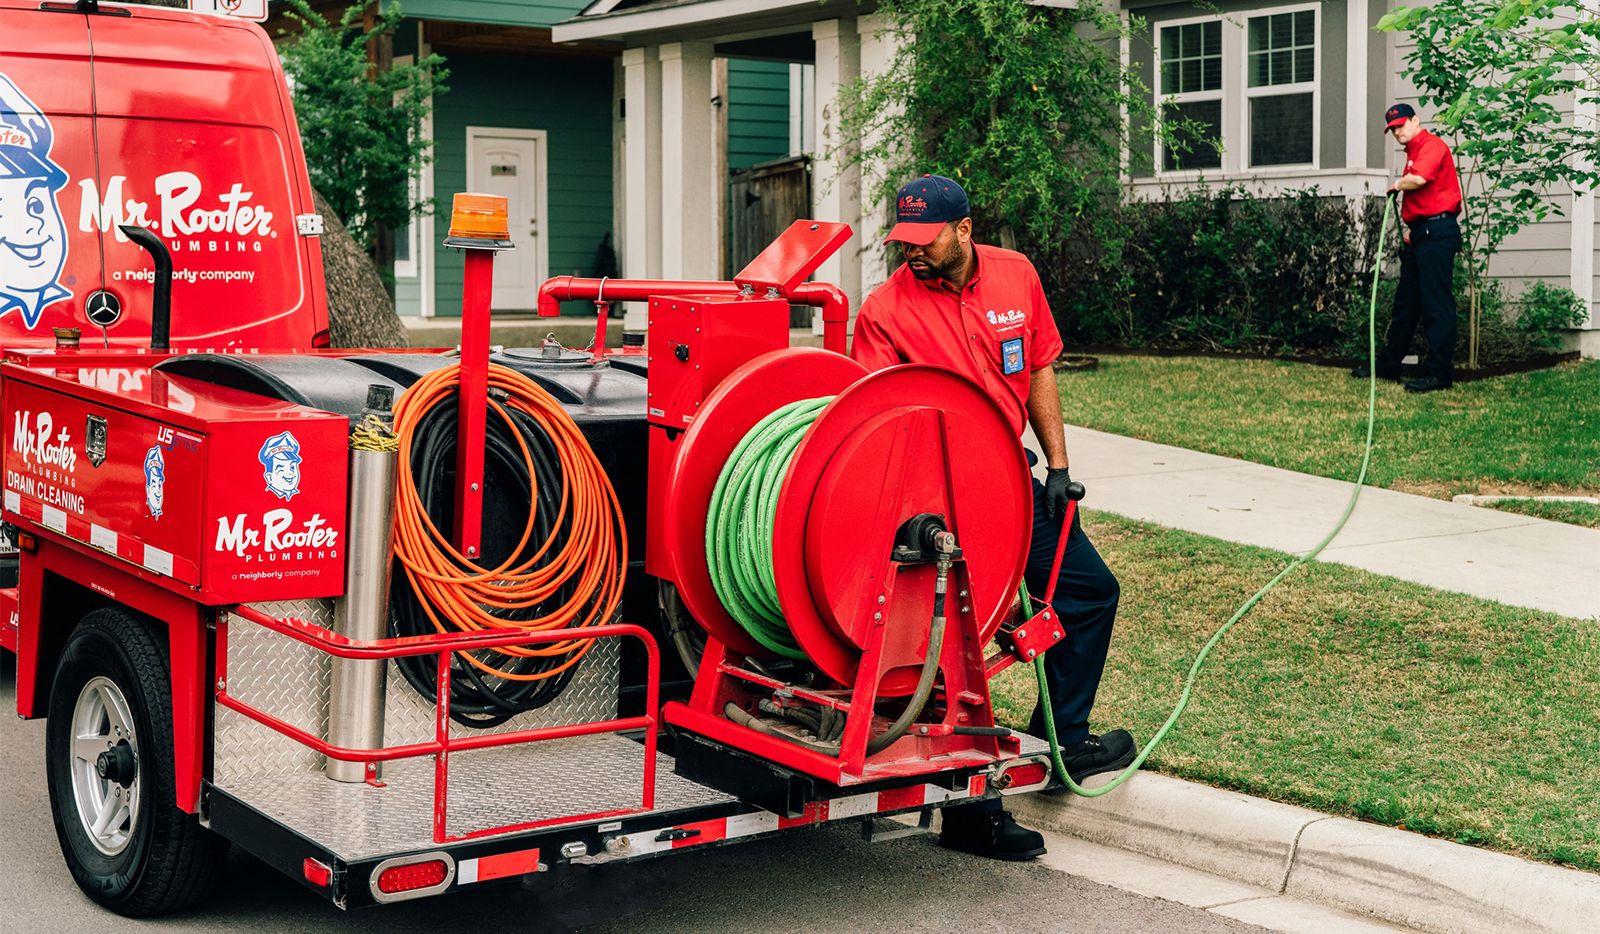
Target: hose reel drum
[(904, 445)]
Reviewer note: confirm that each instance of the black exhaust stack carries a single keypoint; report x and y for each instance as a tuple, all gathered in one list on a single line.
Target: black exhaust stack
[(161, 300)]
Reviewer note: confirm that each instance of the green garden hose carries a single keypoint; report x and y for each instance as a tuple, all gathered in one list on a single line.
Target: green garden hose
[(744, 505), (1200, 659)]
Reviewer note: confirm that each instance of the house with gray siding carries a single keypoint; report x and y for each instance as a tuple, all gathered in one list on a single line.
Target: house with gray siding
[(1290, 94), (1294, 93)]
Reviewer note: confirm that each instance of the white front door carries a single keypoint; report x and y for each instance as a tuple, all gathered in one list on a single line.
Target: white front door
[(512, 163)]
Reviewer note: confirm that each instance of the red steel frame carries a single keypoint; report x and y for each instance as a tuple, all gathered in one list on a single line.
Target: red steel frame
[(443, 645)]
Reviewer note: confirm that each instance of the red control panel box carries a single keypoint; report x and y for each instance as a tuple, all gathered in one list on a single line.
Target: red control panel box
[(225, 493), (696, 341)]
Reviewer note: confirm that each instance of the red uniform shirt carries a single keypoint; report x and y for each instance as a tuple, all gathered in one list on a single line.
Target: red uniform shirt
[(1428, 157), (996, 332)]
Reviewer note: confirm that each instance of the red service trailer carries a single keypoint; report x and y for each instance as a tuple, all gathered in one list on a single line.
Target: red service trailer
[(390, 621)]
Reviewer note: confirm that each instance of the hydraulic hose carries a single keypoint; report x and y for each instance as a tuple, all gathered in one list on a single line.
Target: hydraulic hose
[(739, 531), (1248, 605), (565, 571)]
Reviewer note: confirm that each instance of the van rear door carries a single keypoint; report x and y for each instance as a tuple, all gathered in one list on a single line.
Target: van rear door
[(197, 144), (47, 266)]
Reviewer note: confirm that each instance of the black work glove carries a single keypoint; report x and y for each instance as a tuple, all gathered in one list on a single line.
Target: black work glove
[(1056, 482)]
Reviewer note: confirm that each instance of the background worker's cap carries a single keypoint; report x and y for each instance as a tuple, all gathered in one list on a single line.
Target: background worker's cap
[(1397, 115), (923, 207), (25, 138)]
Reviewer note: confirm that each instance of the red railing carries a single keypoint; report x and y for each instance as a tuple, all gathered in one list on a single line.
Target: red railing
[(443, 645)]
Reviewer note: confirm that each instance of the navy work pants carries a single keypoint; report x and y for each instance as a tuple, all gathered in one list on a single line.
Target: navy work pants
[(1424, 294), (1085, 601)]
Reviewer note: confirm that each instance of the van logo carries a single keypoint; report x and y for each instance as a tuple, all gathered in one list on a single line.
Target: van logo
[(33, 237), (179, 211)]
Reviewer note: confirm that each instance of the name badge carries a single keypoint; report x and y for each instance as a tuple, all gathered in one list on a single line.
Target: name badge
[(1011, 356)]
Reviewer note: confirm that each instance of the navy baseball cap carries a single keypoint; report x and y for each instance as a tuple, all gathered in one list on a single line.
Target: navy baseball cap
[(1397, 115), (923, 207)]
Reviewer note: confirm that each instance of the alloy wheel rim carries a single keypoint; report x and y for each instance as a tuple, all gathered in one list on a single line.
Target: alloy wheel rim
[(108, 808)]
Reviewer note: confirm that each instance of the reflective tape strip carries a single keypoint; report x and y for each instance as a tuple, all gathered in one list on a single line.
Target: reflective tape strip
[(157, 560), (102, 538), (52, 518), (499, 866)]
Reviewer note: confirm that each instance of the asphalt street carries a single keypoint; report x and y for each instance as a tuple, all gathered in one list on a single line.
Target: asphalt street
[(826, 880)]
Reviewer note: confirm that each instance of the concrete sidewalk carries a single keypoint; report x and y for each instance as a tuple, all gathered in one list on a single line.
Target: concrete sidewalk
[(1394, 876), (1502, 556)]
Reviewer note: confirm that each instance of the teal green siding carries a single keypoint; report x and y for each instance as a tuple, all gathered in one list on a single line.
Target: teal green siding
[(408, 296), (569, 98), (502, 12), (758, 112)]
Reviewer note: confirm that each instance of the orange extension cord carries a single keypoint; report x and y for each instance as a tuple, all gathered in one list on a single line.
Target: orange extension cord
[(455, 591)]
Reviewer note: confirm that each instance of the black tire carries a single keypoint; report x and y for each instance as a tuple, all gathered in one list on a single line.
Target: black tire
[(165, 860)]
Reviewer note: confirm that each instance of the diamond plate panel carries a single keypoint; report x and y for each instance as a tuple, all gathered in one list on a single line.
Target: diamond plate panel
[(290, 680), (491, 787), (279, 676), (591, 696)]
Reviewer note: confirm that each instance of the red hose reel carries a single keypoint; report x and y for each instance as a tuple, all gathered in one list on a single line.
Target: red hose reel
[(892, 445)]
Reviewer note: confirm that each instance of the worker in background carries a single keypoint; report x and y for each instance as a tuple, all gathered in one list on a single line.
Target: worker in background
[(981, 311), (1430, 200)]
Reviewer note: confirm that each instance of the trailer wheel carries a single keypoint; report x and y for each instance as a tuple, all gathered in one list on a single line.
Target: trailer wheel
[(108, 762)]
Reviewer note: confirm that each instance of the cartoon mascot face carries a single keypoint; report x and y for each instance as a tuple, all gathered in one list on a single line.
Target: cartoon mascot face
[(33, 236), (155, 481), (280, 458)]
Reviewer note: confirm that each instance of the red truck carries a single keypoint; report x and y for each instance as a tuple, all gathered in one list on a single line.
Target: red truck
[(192, 526)]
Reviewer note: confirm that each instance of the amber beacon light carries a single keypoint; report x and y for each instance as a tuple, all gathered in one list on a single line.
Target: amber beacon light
[(479, 221)]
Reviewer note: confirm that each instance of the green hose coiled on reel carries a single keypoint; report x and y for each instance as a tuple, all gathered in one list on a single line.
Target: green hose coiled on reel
[(744, 507)]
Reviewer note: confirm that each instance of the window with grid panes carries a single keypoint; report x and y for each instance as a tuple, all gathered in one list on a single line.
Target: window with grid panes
[(1191, 88), (1280, 68)]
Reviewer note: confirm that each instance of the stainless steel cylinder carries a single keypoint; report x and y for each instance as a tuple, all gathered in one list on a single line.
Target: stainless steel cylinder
[(356, 701)]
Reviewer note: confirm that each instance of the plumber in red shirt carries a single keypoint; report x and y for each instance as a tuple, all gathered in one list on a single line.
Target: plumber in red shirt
[(981, 311), (1430, 200)]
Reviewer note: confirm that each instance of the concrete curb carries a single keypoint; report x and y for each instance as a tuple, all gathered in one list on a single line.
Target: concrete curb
[(1399, 877)]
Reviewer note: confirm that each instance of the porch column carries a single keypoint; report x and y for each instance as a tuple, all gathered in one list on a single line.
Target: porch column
[(877, 52), (1587, 339), (836, 190), (688, 223), (1357, 119), (641, 248)]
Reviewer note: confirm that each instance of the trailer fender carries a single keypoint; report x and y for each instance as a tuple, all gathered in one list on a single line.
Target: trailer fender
[(52, 601)]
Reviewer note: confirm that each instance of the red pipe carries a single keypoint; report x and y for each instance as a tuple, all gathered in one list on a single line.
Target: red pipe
[(571, 289), (835, 307), (830, 298)]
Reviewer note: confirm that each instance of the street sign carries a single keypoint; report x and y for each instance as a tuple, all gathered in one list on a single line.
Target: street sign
[(239, 9)]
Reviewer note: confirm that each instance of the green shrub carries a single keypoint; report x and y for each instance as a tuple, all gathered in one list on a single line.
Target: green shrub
[(1545, 310), (1221, 269)]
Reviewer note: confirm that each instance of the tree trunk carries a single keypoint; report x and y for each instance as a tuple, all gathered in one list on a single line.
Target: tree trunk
[(360, 311)]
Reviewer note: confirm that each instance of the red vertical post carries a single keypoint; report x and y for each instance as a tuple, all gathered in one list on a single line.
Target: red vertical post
[(472, 415), (479, 228)]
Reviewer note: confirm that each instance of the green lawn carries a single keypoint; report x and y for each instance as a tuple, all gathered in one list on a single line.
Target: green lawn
[(1354, 694), (1573, 513), (1527, 433)]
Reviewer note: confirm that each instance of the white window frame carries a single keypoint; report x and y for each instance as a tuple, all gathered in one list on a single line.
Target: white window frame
[(1220, 94), (412, 268), (1280, 90), (1236, 97)]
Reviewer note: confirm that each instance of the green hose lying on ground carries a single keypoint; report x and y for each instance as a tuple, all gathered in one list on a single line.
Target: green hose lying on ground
[(1200, 659)]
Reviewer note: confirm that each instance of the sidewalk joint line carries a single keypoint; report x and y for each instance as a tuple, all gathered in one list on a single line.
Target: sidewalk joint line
[(1420, 538), (1294, 852), (1241, 901)]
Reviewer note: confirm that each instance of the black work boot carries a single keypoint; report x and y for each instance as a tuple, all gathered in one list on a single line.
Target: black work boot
[(1385, 371), (1427, 384), (975, 829), (1109, 752)]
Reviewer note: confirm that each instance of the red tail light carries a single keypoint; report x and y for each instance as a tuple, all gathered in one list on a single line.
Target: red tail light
[(397, 879), (316, 872), (322, 338), (1028, 773)]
